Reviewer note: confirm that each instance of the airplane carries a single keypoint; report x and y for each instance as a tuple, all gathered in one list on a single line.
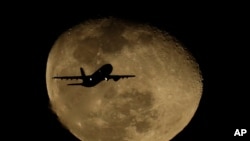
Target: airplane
[(103, 73)]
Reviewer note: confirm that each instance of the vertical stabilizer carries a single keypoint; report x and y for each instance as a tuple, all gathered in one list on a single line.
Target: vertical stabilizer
[(82, 72)]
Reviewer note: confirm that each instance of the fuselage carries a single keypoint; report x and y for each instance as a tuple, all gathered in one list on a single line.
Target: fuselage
[(98, 76)]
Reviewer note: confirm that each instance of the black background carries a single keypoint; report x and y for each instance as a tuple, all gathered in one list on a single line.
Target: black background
[(216, 35)]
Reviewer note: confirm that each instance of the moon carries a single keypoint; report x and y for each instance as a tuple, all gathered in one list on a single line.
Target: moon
[(155, 105)]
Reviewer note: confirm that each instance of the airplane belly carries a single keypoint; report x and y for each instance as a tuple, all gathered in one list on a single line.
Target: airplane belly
[(92, 81)]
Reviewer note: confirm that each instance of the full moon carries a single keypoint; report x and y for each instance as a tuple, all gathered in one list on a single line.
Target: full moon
[(153, 106)]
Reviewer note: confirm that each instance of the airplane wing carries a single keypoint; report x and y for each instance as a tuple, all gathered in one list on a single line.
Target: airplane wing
[(117, 77), (68, 77)]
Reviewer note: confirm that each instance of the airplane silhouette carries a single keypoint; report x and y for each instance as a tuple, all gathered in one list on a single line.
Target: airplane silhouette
[(101, 74)]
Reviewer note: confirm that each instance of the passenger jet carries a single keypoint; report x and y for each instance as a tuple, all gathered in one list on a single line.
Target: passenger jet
[(101, 74)]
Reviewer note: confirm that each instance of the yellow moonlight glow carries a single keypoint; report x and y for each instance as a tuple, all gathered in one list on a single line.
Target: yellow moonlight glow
[(153, 106)]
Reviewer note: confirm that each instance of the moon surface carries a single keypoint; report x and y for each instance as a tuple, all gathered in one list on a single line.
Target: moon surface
[(153, 106)]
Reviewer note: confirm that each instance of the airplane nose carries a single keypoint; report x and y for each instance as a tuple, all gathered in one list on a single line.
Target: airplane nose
[(108, 68)]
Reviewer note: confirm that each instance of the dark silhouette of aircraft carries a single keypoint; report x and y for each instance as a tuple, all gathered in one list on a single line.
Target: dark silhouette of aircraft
[(101, 74)]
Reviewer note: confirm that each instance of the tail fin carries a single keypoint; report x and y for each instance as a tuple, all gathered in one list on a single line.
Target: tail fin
[(82, 72)]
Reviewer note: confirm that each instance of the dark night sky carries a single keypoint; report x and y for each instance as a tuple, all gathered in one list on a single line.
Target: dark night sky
[(209, 33)]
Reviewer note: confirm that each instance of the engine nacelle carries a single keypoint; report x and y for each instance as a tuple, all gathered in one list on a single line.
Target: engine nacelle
[(116, 79)]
